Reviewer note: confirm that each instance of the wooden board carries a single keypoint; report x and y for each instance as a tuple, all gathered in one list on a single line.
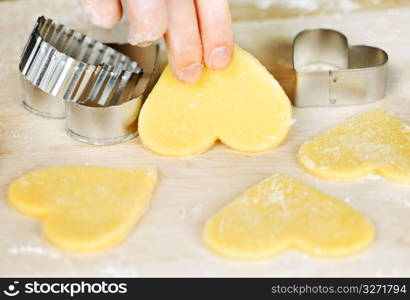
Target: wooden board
[(167, 241)]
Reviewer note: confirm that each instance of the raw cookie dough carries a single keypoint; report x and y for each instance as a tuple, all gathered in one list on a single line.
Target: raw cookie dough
[(84, 209), (243, 106), (281, 213), (372, 142)]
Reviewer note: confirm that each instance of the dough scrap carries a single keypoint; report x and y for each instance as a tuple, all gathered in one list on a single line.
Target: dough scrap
[(243, 106), (372, 142), (84, 209), (281, 213)]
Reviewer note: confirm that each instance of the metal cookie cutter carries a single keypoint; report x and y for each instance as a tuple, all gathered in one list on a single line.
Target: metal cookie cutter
[(104, 125), (329, 72), (103, 88)]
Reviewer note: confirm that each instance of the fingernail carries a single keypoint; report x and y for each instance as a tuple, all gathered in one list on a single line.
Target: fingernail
[(106, 21), (219, 58), (139, 39), (145, 44), (191, 73)]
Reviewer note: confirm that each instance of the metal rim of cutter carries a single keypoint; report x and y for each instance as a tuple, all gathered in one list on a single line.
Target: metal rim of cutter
[(74, 67), (329, 72), (118, 123), (103, 87)]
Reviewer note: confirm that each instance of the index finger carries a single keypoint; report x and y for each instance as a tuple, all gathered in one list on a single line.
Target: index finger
[(148, 21), (216, 32), (104, 13)]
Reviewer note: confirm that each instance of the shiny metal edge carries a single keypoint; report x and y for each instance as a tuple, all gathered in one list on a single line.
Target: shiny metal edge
[(115, 124), (100, 142), (71, 66), (347, 75), (40, 103)]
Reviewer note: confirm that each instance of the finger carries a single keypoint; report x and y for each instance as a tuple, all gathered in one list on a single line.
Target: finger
[(103, 13), (216, 32), (183, 41), (148, 20)]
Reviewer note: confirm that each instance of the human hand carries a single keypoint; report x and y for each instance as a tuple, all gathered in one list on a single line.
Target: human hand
[(196, 32)]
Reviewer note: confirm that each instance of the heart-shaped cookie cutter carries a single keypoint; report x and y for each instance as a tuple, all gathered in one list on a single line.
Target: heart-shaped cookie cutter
[(98, 89), (329, 72)]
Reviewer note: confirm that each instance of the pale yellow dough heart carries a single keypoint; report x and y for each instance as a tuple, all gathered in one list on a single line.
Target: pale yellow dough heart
[(84, 209), (372, 142), (243, 106), (281, 213)]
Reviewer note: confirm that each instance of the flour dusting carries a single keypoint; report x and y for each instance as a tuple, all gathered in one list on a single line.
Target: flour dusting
[(374, 137), (311, 5), (290, 122), (33, 250), (373, 177), (307, 162), (278, 196)]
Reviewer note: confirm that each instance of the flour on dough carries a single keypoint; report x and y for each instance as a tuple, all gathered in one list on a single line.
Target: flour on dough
[(374, 142), (84, 209), (243, 106), (281, 213)]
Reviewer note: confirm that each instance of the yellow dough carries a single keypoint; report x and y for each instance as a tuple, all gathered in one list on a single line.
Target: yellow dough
[(243, 106), (281, 213), (372, 142), (84, 209)]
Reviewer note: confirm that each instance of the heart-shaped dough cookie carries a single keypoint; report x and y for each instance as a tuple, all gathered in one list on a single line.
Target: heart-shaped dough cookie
[(281, 213), (243, 106), (84, 209), (372, 142)]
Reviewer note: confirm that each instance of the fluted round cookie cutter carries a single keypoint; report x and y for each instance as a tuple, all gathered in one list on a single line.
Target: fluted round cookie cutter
[(329, 72), (97, 88), (116, 123)]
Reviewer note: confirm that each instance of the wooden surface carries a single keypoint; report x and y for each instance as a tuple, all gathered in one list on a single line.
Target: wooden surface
[(167, 241)]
